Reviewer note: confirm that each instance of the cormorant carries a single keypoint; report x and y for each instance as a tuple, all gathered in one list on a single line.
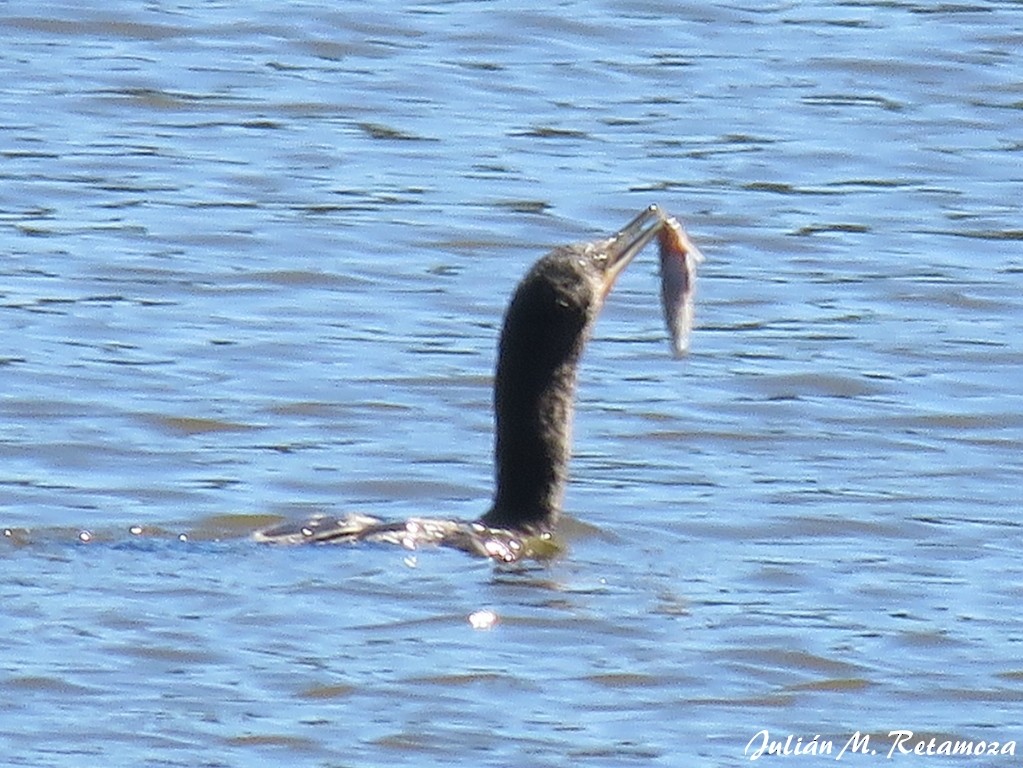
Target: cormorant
[(548, 321)]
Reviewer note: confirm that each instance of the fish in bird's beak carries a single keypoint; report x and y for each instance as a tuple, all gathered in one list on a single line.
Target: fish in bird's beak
[(679, 258), (622, 247)]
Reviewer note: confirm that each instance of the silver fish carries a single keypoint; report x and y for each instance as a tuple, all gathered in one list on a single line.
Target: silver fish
[(679, 258)]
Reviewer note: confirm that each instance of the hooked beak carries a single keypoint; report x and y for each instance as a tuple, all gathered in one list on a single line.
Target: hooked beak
[(623, 246)]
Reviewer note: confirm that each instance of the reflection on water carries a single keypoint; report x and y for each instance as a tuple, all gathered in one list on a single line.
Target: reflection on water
[(254, 263)]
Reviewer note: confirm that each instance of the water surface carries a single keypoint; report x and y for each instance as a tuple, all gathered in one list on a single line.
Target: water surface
[(254, 260)]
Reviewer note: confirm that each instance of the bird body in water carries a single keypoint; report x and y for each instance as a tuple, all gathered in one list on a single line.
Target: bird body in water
[(548, 321)]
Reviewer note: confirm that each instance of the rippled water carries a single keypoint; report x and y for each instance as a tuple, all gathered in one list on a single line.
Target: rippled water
[(254, 259)]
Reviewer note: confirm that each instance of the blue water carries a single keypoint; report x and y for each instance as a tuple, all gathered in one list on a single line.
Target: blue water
[(253, 261)]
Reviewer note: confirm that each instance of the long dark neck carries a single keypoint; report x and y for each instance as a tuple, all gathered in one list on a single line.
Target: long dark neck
[(534, 395)]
